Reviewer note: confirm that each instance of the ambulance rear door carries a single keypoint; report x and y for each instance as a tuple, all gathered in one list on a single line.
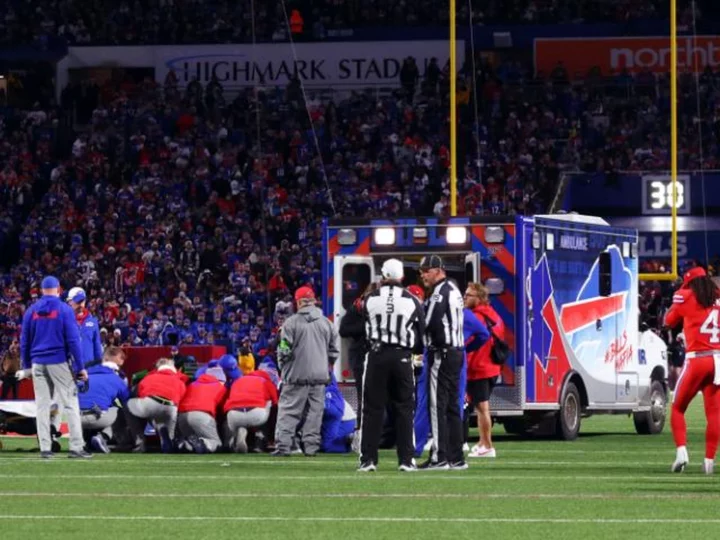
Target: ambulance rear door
[(352, 274)]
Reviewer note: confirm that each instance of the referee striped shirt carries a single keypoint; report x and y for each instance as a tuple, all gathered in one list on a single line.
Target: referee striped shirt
[(444, 318), (394, 317)]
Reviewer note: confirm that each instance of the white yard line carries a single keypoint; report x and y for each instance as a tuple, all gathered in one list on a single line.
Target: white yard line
[(335, 519), (350, 461), (430, 496), (395, 476)]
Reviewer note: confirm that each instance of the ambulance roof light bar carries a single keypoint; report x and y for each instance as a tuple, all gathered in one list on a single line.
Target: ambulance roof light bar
[(384, 236)]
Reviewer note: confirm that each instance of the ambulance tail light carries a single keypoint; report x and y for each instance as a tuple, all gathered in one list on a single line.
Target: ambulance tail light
[(347, 237), (494, 235), (384, 236), (456, 235), (495, 286), (420, 235)]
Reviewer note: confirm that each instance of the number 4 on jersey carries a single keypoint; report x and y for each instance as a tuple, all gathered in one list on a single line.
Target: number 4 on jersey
[(711, 326)]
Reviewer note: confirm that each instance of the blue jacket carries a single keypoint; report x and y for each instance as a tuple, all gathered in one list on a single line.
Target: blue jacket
[(474, 328), (105, 387), (338, 423), (50, 334), (90, 340)]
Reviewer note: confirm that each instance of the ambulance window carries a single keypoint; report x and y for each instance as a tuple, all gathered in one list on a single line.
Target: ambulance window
[(469, 272), (605, 274), (355, 278)]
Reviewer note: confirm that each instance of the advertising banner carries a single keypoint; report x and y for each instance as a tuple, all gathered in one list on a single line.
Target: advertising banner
[(612, 55), (345, 64)]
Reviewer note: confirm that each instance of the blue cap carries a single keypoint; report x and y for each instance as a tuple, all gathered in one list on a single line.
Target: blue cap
[(77, 295), (50, 282)]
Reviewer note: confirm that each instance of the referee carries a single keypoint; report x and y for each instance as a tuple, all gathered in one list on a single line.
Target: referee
[(395, 324), (446, 344)]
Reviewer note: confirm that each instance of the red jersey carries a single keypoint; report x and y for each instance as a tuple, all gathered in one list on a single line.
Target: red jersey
[(253, 390), (700, 325), (479, 363), (164, 383), (204, 395)]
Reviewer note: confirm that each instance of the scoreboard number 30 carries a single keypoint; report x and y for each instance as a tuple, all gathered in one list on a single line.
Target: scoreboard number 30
[(658, 194)]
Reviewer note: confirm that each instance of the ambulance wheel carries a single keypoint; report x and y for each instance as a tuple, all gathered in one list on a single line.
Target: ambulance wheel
[(652, 422), (515, 426), (568, 419)]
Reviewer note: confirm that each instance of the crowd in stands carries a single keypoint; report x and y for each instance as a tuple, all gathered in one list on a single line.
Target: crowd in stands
[(104, 22), (190, 216)]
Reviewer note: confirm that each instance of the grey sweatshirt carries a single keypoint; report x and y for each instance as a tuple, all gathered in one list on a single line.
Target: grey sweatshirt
[(313, 342)]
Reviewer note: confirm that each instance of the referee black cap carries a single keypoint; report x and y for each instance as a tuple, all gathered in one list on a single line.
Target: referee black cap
[(431, 261)]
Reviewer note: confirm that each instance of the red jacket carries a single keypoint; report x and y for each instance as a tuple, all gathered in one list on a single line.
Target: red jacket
[(253, 390), (204, 395), (479, 364), (165, 383)]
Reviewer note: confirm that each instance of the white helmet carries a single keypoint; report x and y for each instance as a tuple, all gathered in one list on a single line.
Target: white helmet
[(393, 269)]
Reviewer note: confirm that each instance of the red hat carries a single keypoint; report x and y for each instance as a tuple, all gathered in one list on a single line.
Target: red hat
[(416, 291), (304, 293), (693, 273)]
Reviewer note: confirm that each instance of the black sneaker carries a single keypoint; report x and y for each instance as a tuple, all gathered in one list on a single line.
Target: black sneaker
[(82, 454), (279, 453), (47, 455), (410, 466), (459, 465), (434, 466)]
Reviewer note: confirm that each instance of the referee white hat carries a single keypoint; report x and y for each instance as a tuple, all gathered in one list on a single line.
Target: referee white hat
[(393, 269)]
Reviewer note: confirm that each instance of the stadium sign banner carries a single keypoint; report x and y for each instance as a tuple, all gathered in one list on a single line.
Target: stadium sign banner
[(611, 55), (355, 64)]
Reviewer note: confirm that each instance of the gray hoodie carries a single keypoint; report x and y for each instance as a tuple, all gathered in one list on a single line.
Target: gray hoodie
[(313, 341)]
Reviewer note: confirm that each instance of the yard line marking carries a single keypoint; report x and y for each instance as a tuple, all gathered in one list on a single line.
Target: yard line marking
[(469, 496), (333, 519), (355, 476), (498, 462)]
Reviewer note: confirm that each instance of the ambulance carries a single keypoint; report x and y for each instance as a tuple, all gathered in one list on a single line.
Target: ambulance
[(566, 287)]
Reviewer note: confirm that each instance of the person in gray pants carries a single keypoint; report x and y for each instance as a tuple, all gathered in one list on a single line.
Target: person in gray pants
[(308, 347), (49, 333)]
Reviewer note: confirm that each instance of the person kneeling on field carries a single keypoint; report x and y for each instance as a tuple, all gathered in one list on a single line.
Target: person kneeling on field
[(338, 424), (198, 412), (98, 409), (158, 396), (248, 405)]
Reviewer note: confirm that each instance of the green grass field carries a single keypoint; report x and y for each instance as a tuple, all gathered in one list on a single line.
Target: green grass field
[(610, 483)]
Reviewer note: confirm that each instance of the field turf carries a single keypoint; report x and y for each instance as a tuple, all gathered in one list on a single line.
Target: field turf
[(610, 483)]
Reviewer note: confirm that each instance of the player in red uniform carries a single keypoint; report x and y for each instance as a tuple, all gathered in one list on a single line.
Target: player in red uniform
[(697, 306)]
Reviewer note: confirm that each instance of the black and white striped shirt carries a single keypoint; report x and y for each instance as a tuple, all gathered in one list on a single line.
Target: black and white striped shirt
[(444, 318), (394, 317)]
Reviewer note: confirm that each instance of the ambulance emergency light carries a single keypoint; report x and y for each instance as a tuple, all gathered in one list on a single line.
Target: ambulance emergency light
[(347, 237), (456, 235), (385, 236)]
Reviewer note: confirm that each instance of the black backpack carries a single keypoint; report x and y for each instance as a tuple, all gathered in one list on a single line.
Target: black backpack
[(500, 350)]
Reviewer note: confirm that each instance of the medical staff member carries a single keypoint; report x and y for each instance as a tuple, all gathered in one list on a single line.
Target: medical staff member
[(198, 411), (697, 306), (158, 396), (49, 334), (99, 404), (249, 404), (89, 328)]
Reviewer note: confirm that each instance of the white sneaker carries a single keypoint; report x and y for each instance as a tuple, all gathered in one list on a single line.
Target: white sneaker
[(466, 447), (408, 467), (241, 446), (482, 452), (367, 467), (709, 466), (681, 460), (428, 445)]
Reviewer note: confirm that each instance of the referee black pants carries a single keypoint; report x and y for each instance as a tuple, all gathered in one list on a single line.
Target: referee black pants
[(388, 376), (445, 367)]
